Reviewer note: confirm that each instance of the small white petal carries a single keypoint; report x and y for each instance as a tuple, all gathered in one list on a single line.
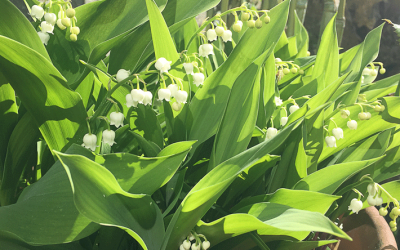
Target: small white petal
[(164, 94), (219, 30), (163, 65), (176, 106), (227, 36), (148, 98), (188, 68), (37, 12), (355, 205), (117, 119), (330, 141), (137, 95), (47, 27), (211, 35), (352, 124), (181, 96), (44, 37), (198, 79), (271, 133), (50, 18), (283, 121), (108, 137), (293, 108), (344, 113), (278, 101), (122, 74), (206, 49), (90, 141), (338, 133), (173, 88)]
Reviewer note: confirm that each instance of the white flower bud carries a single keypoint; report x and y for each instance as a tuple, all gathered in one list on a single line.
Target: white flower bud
[(186, 244), (195, 246), (283, 121), (173, 88), (176, 106), (278, 60), (148, 98), (338, 133), (352, 124), (60, 25), (50, 18), (373, 72), (181, 247), (181, 96), (366, 71), (211, 35), (66, 22), (75, 30), (108, 137), (237, 27), (330, 141), (371, 188), (198, 79), (191, 237), (378, 201), (137, 95), (219, 30), (206, 245), (163, 65), (117, 119), (122, 75), (70, 12), (164, 94), (355, 205), (271, 133), (90, 141), (37, 12), (278, 101), (47, 27), (227, 36), (363, 116), (130, 102), (44, 37), (206, 49), (293, 108), (344, 113), (371, 200), (188, 68), (368, 115)]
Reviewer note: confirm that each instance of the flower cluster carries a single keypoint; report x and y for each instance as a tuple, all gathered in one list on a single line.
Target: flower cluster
[(284, 68), (65, 19), (198, 244)]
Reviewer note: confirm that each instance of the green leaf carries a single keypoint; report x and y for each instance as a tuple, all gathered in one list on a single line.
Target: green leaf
[(211, 100), (381, 88), (269, 219), (210, 187), (328, 179), (21, 154), (303, 245), (150, 148), (57, 111), (98, 196), (327, 61), (301, 35), (8, 117), (17, 27), (299, 199)]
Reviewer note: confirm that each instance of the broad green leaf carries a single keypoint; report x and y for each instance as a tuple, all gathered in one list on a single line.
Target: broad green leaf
[(239, 119), (199, 200), (303, 245), (269, 219), (15, 26), (347, 57), (173, 190), (8, 117), (299, 199), (150, 148), (209, 103), (49, 207), (327, 61), (142, 175), (301, 37), (328, 179), (21, 153), (57, 111), (396, 28), (267, 92), (381, 88), (98, 196)]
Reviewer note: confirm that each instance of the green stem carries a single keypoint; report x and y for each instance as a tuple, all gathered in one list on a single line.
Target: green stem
[(88, 125), (105, 119), (261, 244)]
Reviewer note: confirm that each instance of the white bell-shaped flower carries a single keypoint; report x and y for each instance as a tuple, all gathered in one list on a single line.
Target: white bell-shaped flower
[(206, 245), (173, 88), (176, 106), (293, 108), (50, 18), (219, 30), (284, 121), (227, 36), (211, 35), (47, 27), (352, 124), (122, 74), (368, 115), (372, 189), (338, 133), (237, 27), (137, 95), (278, 101), (181, 96), (271, 133), (355, 205), (117, 119), (330, 141), (163, 65), (374, 200), (373, 72), (60, 25), (344, 113), (44, 37), (366, 71), (181, 247), (90, 141), (186, 244), (188, 68), (195, 246), (206, 49), (130, 102), (148, 98), (363, 116), (75, 30), (164, 94), (108, 137), (198, 79), (37, 12)]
